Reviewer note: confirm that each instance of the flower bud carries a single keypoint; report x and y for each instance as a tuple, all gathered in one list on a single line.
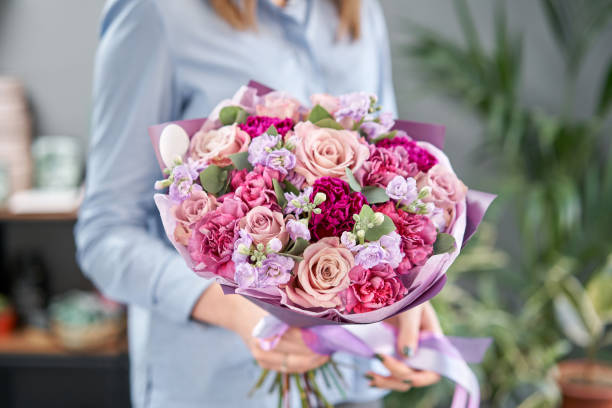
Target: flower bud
[(356, 217), (296, 203), (425, 191), (275, 245), (379, 218), (360, 234), (317, 211), (260, 247), (319, 198)]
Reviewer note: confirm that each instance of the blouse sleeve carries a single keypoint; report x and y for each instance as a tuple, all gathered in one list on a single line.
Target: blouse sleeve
[(134, 88)]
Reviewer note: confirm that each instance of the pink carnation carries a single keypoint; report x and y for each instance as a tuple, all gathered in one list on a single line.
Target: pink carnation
[(255, 189), (417, 232), (372, 288), (415, 153), (380, 168), (256, 125), (212, 242)]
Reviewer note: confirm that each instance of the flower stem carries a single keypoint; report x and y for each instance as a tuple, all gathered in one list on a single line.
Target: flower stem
[(260, 380)]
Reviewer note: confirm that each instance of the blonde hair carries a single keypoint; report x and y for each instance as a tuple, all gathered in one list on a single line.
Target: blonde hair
[(242, 15)]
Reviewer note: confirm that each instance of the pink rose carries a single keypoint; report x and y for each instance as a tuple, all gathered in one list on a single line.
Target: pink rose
[(380, 168), (322, 275), (255, 190), (263, 225), (215, 146), (324, 152), (329, 102), (279, 105), (446, 189), (373, 288), (191, 211), (212, 242)]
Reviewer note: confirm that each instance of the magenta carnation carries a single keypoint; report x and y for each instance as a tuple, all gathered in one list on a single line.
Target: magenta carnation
[(372, 288), (415, 154), (337, 210), (256, 125), (417, 232), (212, 241)]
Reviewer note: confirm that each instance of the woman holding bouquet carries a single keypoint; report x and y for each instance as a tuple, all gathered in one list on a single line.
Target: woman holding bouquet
[(158, 61)]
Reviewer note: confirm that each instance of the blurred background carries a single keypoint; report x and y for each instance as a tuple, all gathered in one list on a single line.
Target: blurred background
[(525, 90)]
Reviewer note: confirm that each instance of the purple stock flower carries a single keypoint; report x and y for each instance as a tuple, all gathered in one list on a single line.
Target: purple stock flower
[(246, 275), (374, 129), (402, 189), (297, 230), (391, 243), (281, 160), (246, 241), (275, 270), (260, 146), (354, 105), (349, 241), (303, 198), (370, 255)]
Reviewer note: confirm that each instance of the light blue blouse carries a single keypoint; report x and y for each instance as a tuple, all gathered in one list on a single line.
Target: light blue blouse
[(162, 60)]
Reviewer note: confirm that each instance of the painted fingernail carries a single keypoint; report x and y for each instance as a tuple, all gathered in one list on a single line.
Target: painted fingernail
[(368, 377), (408, 351), (380, 357), (409, 382)]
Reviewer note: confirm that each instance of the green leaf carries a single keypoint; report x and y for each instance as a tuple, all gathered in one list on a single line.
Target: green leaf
[(232, 114), (280, 194), (598, 289), (318, 113), (213, 179), (375, 195), (290, 188), (298, 247), (241, 161), (272, 131), (389, 135), (329, 123), (444, 243), (296, 258), (352, 181), (366, 212), (605, 98), (374, 234)]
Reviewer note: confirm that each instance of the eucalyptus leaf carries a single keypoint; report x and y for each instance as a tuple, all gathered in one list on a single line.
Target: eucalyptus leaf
[(598, 290), (318, 113), (290, 188), (241, 161), (280, 193), (272, 131), (352, 181), (296, 258), (374, 234), (329, 123), (366, 212), (232, 114), (298, 247), (213, 179), (444, 243), (375, 195), (389, 135)]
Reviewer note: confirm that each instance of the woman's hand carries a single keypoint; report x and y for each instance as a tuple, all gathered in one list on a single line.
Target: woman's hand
[(236, 313), (409, 325), (291, 355)]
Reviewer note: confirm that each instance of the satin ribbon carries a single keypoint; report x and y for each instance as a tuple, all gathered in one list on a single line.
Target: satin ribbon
[(447, 356)]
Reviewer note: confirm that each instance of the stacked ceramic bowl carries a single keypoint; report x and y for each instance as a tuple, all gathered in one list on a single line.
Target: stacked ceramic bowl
[(15, 137)]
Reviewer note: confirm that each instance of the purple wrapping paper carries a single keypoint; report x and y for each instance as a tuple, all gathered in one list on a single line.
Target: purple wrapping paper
[(423, 284)]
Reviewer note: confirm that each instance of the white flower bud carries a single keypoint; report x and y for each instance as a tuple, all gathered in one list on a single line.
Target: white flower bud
[(361, 234), (319, 198), (379, 218)]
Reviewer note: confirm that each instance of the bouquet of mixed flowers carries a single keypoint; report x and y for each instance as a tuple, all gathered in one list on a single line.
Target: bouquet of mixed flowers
[(330, 214)]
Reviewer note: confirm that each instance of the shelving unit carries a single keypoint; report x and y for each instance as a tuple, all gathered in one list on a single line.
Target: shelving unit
[(35, 370)]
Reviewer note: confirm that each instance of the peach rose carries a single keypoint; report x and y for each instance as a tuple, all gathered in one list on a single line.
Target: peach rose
[(190, 212), (215, 146), (446, 189), (279, 105), (322, 275), (324, 152), (329, 102), (264, 224)]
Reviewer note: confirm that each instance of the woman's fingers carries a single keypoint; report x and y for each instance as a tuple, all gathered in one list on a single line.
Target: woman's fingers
[(397, 368), (287, 362), (424, 378), (409, 323), (389, 383), (292, 342), (429, 320)]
